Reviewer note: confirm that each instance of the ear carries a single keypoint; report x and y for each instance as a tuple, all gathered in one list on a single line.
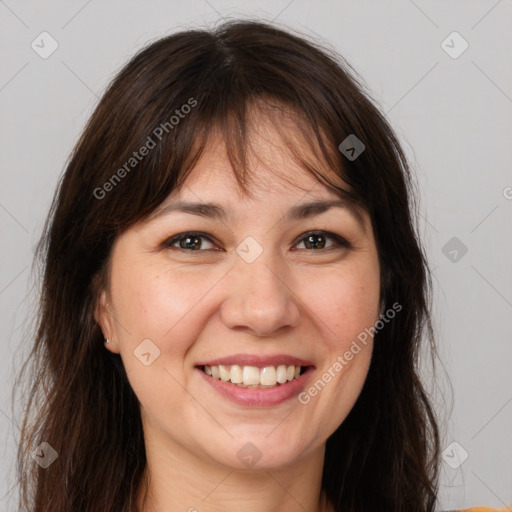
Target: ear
[(105, 319)]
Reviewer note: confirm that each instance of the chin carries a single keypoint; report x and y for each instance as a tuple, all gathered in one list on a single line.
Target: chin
[(262, 451)]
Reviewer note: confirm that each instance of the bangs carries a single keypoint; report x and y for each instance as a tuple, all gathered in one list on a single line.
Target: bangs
[(265, 119)]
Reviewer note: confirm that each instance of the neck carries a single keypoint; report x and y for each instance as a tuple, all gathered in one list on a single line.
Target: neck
[(179, 480)]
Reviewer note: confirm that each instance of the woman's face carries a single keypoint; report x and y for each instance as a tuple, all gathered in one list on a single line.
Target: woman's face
[(251, 299)]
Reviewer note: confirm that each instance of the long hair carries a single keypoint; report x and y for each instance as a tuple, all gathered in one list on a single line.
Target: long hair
[(170, 97)]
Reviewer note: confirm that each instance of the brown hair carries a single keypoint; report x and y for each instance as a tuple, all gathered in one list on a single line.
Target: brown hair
[(384, 456)]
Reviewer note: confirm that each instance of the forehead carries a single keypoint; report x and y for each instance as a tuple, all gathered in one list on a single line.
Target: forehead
[(276, 154), (274, 176)]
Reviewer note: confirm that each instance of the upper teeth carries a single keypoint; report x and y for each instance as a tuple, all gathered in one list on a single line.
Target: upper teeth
[(252, 375)]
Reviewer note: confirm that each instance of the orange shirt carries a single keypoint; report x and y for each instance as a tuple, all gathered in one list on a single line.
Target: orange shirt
[(484, 509)]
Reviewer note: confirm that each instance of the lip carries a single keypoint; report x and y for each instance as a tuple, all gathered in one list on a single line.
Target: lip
[(254, 397), (256, 360)]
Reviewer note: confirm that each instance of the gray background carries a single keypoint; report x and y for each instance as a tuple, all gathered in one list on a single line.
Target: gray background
[(454, 116)]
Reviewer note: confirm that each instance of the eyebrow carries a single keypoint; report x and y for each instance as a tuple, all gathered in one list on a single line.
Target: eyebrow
[(297, 212)]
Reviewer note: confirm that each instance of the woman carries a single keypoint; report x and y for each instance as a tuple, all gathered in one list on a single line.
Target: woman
[(234, 294)]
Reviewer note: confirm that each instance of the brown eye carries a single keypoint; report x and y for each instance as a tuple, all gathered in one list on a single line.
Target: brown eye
[(189, 241), (317, 240)]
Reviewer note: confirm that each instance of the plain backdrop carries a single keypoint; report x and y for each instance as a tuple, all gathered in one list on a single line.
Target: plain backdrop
[(450, 105)]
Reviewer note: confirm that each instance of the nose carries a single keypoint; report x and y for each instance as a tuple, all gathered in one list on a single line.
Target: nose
[(260, 297)]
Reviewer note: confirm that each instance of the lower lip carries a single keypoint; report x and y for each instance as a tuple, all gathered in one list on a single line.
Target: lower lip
[(258, 397)]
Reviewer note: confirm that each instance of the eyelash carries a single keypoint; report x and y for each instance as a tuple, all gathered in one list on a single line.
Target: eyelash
[(339, 242)]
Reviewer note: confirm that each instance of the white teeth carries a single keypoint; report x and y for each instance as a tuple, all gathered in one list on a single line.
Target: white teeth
[(224, 374), (281, 374), (268, 376), (236, 375), (252, 376)]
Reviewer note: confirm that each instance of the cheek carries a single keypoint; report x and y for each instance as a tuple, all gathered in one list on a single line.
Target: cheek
[(156, 305), (345, 301), (150, 300), (165, 306)]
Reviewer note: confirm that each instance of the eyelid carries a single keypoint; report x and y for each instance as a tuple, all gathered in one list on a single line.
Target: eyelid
[(185, 234), (340, 242), (338, 239)]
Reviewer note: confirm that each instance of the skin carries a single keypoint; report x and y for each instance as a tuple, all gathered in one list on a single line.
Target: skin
[(198, 305)]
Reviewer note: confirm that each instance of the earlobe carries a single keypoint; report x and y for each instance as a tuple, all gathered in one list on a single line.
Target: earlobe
[(101, 315)]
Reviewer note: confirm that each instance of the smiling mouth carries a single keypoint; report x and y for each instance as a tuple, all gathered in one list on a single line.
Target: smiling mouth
[(253, 376)]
